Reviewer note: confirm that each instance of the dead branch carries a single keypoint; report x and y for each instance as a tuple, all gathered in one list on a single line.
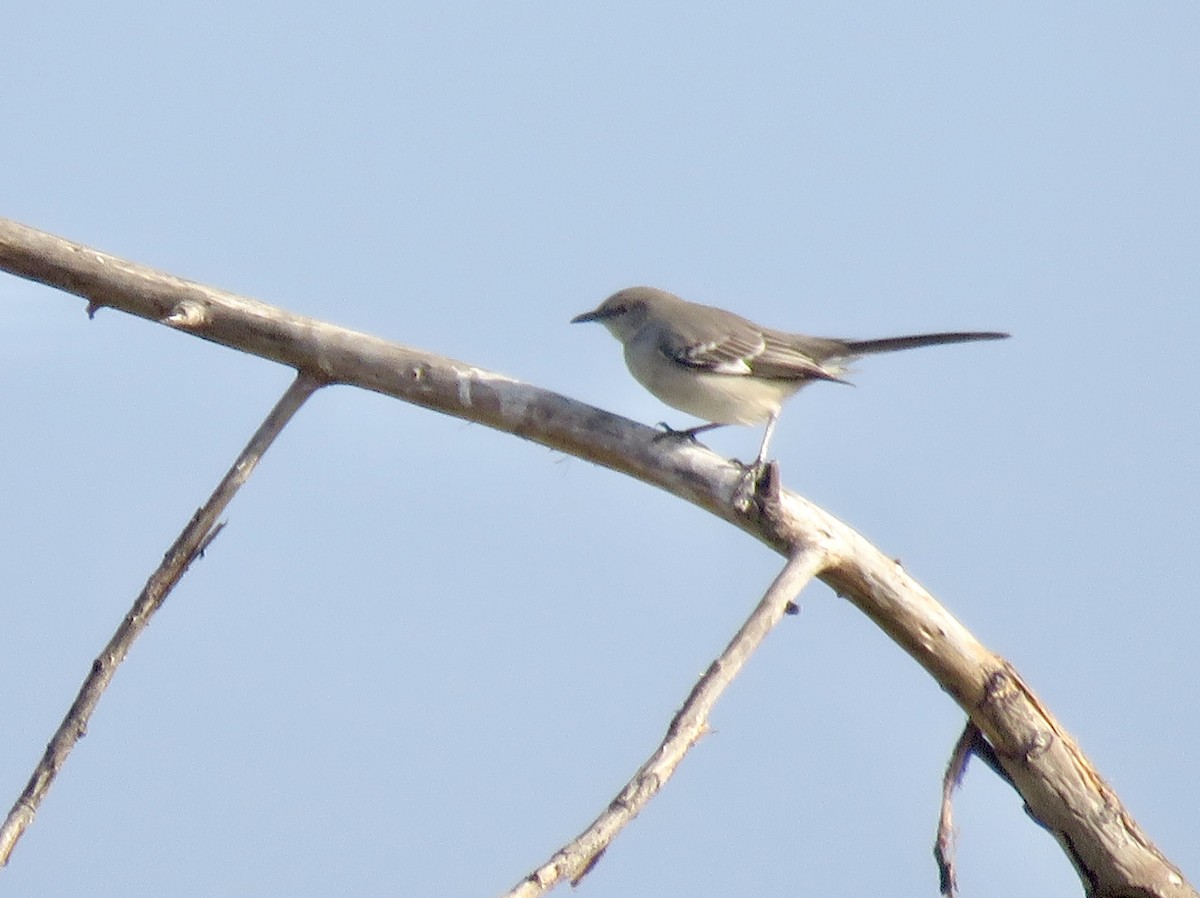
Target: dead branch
[(577, 858), (196, 536)]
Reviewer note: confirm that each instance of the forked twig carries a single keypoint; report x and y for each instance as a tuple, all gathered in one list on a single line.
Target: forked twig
[(195, 537), (575, 859)]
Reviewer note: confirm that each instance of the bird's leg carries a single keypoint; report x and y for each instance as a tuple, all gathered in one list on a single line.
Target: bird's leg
[(762, 450), (688, 434), (754, 472)]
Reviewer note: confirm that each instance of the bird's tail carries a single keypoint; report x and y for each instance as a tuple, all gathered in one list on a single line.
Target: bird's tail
[(895, 344)]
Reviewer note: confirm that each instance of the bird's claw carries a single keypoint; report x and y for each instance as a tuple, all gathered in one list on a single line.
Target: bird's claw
[(669, 432), (758, 485), (747, 487)]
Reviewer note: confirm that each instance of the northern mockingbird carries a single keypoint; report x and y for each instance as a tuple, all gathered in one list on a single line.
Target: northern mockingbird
[(724, 369)]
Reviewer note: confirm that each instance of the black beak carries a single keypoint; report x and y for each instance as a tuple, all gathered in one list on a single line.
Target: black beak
[(595, 315)]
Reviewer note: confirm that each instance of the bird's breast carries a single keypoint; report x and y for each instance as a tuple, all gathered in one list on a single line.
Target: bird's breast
[(713, 397)]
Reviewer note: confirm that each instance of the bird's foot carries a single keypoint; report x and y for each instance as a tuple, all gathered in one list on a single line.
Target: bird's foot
[(747, 487), (759, 485), (669, 432), (688, 434)]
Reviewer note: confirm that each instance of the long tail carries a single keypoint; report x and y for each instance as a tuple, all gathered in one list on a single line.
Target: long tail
[(894, 344)]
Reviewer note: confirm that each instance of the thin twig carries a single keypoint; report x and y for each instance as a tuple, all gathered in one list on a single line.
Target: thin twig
[(956, 768), (195, 537), (575, 859)]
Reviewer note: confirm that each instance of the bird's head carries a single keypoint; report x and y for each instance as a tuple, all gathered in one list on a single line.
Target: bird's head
[(625, 311)]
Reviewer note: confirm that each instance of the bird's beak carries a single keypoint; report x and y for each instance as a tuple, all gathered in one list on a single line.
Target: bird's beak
[(594, 315)]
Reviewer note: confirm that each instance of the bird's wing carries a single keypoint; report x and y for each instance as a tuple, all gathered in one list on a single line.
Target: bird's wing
[(736, 347), (797, 357)]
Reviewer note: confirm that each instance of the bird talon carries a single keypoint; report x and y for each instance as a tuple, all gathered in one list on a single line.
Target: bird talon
[(758, 485), (757, 468), (747, 488), (688, 433)]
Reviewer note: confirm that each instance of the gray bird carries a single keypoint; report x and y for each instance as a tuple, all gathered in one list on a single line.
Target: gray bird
[(724, 369)]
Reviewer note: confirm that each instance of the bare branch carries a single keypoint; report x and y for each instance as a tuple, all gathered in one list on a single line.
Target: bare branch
[(1061, 788), (943, 846), (576, 859), (195, 537)]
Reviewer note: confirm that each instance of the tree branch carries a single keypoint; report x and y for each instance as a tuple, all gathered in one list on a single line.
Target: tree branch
[(575, 860), (1061, 788), (194, 539)]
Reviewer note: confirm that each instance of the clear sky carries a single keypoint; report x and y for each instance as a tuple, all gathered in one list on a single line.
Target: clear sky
[(423, 654)]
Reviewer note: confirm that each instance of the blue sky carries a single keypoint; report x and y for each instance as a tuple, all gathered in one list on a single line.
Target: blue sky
[(422, 654)]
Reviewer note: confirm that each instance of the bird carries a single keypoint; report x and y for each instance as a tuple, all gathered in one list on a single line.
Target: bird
[(725, 369)]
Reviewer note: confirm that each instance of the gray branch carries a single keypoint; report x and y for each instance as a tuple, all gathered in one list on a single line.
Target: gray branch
[(190, 545)]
